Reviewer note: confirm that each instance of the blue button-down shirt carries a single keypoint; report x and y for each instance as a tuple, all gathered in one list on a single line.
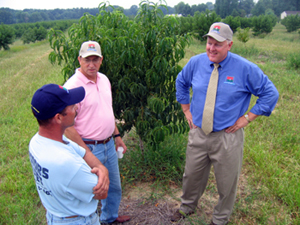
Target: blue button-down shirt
[(238, 80)]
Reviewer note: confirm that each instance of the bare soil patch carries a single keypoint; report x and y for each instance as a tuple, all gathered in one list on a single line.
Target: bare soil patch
[(146, 205)]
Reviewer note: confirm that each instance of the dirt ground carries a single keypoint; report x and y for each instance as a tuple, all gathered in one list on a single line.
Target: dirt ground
[(147, 206)]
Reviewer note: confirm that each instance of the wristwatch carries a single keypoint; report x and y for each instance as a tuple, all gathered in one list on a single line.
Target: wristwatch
[(117, 135), (247, 118)]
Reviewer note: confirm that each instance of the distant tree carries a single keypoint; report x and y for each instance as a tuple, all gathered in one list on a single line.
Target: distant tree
[(245, 22), (11, 16), (233, 22), (35, 17), (183, 9), (167, 10), (198, 8), (202, 22), (6, 36), (40, 34), (6, 16), (258, 9), (271, 14), (210, 6), (291, 23), (29, 36), (262, 5), (133, 10), (243, 34), (19, 29), (186, 24), (235, 13), (22, 17), (262, 24), (278, 6), (246, 5), (225, 7), (45, 16)]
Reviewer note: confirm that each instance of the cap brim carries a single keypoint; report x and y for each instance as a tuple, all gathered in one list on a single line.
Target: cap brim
[(215, 36), (90, 54), (76, 95)]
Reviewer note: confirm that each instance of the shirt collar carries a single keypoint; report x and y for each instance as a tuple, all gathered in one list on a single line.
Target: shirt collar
[(84, 79), (224, 62)]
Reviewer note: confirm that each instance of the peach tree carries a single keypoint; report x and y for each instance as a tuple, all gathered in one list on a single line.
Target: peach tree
[(141, 59)]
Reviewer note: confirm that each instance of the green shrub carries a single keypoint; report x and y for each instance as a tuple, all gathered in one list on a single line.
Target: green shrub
[(186, 24), (7, 35), (34, 34), (29, 36), (233, 22), (292, 22), (243, 34), (40, 34), (202, 23), (262, 24), (245, 22)]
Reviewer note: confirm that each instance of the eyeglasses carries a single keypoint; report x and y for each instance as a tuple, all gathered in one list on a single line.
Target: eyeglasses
[(94, 60)]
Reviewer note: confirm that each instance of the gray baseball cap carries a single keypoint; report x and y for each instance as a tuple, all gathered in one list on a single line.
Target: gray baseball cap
[(89, 48), (220, 32)]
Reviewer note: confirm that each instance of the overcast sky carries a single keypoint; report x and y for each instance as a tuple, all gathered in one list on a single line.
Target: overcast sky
[(64, 4)]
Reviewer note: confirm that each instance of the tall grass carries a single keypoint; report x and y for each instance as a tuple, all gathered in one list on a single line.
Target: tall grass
[(270, 189)]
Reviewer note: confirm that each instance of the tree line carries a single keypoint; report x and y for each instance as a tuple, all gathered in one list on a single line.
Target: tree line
[(223, 8), (11, 16), (196, 25), (30, 32)]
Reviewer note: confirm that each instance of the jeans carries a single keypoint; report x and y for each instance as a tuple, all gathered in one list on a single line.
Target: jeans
[(92, 219), (107, 154)]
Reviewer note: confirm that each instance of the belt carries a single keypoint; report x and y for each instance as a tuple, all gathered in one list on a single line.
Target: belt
[(69, 217), (97, 142)]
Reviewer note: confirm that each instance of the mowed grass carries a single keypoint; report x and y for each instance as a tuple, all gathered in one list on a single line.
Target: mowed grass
[(22, 72), (270, 187)]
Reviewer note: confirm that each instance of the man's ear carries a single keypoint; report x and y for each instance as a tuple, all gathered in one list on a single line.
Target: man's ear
[(79, 60), (230, 45), (58, 118)]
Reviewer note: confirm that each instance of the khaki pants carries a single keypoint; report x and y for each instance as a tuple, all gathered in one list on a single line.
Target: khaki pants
[(225, 152)]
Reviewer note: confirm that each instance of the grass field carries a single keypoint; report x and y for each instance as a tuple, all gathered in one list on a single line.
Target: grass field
[(271, 167)]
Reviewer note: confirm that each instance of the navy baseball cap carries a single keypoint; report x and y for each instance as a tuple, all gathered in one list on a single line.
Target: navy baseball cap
[(52, 99)]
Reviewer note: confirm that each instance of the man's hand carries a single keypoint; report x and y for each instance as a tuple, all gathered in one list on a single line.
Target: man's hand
[(101, 189), (240, 123), (119, 143), (188, 115)]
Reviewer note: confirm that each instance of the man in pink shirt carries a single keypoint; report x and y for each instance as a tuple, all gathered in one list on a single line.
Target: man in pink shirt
[(95, 127)]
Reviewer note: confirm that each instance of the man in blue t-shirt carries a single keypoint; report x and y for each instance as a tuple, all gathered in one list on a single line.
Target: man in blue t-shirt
[(69, 179), (222, 85)]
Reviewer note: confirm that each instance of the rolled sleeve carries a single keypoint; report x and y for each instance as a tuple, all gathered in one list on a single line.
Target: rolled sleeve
[(267, 95)]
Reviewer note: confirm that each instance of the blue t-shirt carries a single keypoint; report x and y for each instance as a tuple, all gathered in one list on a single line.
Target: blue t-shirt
[(63, 179), (238, 80)]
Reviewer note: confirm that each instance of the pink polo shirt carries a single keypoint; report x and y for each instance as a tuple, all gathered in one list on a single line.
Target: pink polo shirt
[(95, 119)]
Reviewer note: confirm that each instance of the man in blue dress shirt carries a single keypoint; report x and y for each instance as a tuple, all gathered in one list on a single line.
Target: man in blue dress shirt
[(222, 147)]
